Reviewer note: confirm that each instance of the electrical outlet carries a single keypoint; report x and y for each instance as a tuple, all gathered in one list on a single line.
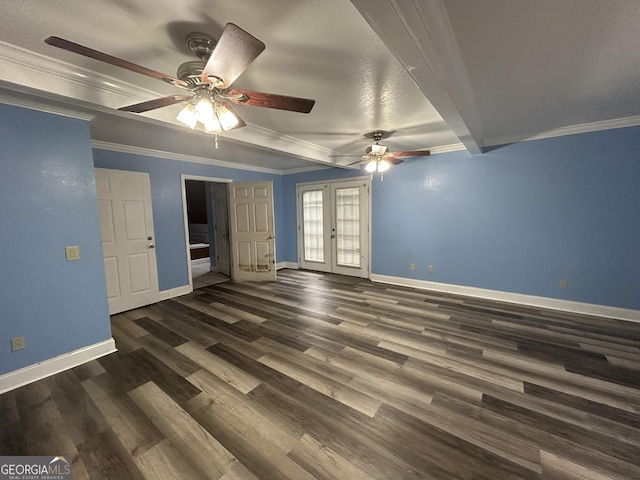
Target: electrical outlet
[(17, 343), (72, 252), (563, 283), (412, 266), (430, 268)]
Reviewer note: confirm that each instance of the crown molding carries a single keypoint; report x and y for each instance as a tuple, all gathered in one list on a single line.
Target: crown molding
[(271, 140), (454, 147), (149, 152), (100, 92), (569, 130), (24, 67), (18, 99)]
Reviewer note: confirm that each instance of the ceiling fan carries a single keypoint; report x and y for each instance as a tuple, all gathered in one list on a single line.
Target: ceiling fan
[(208, 80), (378, 158)]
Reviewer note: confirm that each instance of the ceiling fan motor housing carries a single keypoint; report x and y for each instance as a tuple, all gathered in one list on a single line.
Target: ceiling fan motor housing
[(201, 44), (376, 149)]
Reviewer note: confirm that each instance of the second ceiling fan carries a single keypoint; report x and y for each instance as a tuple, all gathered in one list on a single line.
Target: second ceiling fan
[(378, 158), (207, 80)]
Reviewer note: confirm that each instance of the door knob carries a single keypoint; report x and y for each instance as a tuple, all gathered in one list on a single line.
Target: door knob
[(270, 237), (151, 245)]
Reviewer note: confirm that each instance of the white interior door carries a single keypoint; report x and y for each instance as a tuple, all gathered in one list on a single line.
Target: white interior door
[(128, 240), (333, 227), (252, 230), (221, 227)]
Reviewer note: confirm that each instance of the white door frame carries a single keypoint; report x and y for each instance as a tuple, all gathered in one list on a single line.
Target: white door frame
[(183, 178), (366, 179)]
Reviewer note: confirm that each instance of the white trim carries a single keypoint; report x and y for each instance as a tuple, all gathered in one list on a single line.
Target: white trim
[(569, 130), (55, 77), (519, 298), (173, 292), (42, 105), (149, 152), (284, 144), (335, 180), (21, 66), (454, 147), (291, 265), (46, 368)]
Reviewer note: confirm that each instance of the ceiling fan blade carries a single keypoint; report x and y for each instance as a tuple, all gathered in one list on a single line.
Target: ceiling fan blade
[(157, 103), (393, 160), (414, 153), (233, 53), (118, 62), (271, 100)]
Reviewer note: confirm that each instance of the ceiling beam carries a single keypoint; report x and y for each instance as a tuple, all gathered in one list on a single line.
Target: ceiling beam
[(418, 33)]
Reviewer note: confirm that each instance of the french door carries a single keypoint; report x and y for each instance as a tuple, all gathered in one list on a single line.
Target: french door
[(333, 226)]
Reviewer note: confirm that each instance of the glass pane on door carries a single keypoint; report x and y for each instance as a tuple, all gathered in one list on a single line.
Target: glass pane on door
[(313, 225), (348, 226)]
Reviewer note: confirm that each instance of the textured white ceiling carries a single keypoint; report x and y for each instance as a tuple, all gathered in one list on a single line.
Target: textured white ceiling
[(545, 64), (434, 73)]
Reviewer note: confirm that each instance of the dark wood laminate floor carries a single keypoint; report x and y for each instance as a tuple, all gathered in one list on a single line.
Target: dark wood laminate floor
[(318, 376)]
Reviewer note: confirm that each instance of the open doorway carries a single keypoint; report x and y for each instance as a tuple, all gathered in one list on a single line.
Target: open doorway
[(206, 229)]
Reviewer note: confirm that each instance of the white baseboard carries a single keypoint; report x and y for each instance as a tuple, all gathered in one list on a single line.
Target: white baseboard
[(519, 298), (293, 265), (40, 370), (173, 292)]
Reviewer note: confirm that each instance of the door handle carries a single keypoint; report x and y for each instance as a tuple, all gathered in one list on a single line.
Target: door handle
[(333, 235), (151, 245), (271, 237)]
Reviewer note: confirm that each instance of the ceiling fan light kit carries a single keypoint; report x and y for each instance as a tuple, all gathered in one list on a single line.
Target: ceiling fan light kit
[(377, 165), (214, 115), (378, 158), (208, 80)]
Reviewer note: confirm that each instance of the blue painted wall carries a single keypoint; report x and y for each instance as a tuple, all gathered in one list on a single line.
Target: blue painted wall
[(166, 196), (518, 218), (48, 201)]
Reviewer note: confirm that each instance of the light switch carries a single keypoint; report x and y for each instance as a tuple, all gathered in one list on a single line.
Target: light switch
[(72, 252)]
